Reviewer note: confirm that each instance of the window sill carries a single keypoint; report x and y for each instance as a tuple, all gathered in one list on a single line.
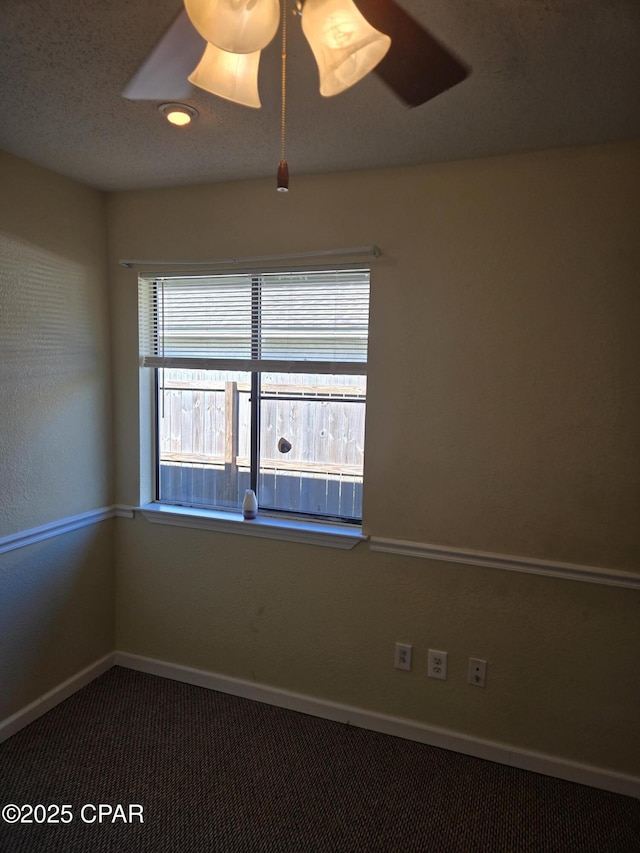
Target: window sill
[(328, 534)]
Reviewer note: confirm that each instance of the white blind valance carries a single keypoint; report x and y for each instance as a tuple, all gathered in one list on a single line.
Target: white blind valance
[(314, 321)]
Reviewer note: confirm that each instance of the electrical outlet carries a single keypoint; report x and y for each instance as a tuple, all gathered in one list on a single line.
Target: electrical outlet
[(477, 672), (437, 667), (403, 656)]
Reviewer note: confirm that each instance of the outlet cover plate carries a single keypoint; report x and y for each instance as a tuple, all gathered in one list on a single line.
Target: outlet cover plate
[(477, 672), (437, 666)]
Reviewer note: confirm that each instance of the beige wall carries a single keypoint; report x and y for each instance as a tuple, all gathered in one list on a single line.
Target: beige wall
[(56, 597), (563, 656), (503, 337), (502, 416)]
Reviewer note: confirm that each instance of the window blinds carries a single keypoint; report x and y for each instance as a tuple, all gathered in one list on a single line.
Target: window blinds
[(290, 322)]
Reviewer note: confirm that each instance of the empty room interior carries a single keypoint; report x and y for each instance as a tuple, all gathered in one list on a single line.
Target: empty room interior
[(476, 586)]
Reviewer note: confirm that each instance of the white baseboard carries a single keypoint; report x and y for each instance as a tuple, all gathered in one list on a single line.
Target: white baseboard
[(583, 774), (45, 703), (559, 768)]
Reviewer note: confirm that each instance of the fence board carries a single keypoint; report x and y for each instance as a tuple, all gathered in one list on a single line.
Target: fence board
[(205, 428)]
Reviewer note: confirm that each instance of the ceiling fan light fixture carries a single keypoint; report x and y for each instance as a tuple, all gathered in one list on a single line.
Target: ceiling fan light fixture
[(233, 76), (345, 45), (238, 26), (178, 114)]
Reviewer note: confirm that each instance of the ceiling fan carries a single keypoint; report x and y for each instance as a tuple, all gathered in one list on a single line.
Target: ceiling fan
[(417, 67), (216, 45)]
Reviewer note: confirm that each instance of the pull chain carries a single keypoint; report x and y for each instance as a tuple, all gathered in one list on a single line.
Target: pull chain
[(283, 168)]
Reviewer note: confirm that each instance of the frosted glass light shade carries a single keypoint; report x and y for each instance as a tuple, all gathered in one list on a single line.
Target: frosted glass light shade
[(345, 45), (239, 26), (233, 76)]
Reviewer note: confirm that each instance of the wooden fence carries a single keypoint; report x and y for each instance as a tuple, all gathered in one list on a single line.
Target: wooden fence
[(205, 442)]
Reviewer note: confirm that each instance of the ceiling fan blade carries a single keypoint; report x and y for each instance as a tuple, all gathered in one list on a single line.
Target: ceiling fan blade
[(417, 66), (163, 75)]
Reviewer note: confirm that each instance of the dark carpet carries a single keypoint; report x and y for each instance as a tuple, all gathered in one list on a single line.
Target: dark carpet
[(216, 773)]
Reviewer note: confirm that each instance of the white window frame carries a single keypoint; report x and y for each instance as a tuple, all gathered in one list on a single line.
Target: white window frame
[(283, 525)]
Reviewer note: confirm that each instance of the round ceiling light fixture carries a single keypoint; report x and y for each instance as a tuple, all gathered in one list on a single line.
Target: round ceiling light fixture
[(178, 114)]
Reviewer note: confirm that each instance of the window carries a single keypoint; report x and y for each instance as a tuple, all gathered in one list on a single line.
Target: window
[(261, 383)]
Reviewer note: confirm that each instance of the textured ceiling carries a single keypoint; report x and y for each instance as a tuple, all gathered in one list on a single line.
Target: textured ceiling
[(545, 73)]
